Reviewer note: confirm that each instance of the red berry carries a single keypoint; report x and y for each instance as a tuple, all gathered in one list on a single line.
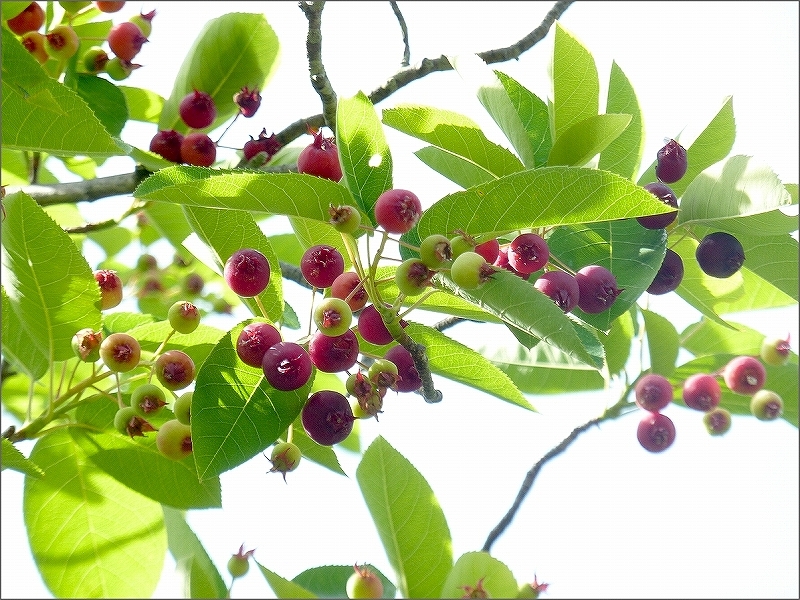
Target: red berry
[(656, 432), (744, 375), (343, 287), (327, 417), (198, 149), (126, 40), (671, 162), (321, 265), (701, 392), (247, 272), (167, 144), (397, 211), (30, 19), (320, 158), (248, 101), (667, 196), (264, 143), (110, 6), (254, 341), (333, 354), (560, 287), (653, 392), (372, 328), (597, 289), (490, 250), (528, 253), (198, 110), (110, 288), (502, 262), (287, 366)]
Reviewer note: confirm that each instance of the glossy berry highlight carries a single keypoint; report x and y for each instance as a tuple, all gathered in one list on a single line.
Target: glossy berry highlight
[(667, 196), (287, 366)]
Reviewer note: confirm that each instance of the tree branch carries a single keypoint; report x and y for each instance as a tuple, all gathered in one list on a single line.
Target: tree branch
[(316, 68), (406, 51)]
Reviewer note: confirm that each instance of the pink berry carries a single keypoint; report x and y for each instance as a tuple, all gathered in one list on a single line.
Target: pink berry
[(198, 149), (167, 144), (597, 289), (560, 287), (656, 432), (247, 272), (397, 210), (744, 375), (198, 110), (333, 354), (653, 392), (321, 265), (253, 342), (528, 253), (701, 391), (125, 40), (320, 158)]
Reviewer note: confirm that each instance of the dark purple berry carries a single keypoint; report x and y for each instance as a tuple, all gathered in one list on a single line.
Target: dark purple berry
[(327, 417), (287, 366), (560, 287), (669, 276), (408, 379), (671, 162), (597, 289), (667, 196), (248, 101), (720, 254), (247, 272)]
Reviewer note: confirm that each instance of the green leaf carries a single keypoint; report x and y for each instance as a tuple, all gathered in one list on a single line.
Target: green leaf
[(106, 101), (472, 567), (143, 105), (86, 530), (189, 554), (710, 147), (495, 99), (534, 114), (456, 136), (14, 459), (235, 413), (458, 170), (623, 155), (124, 321), (523, 307), (782, 380), (712, 296), (662, 343), (17, 348), (284, 588), (409, 520), (576, 86), (330, 581), (363, 151), (540, 198), (50, 286), (579, 143), (631, 252), (170, 221), (42, 115), (112, 241), (324, 456), (11, 9), (232, 51), (197, 345), (227, 232), (708, 337), (457, 362)]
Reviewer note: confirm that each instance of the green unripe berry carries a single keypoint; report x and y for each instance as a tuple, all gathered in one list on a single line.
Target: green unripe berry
[(717, 421), (775, 351), (470, 270), (182, 408), (144, 21), (766, 405), (184, 317), (118, 69), (333, 316), (383, 373), (345, 219), (148, 400), (174, 440), (285, 458), (127, 422), (364, 583), (461, 244), (86, 344), (238, 566), (412, 277), (61, 42), (435, 251)]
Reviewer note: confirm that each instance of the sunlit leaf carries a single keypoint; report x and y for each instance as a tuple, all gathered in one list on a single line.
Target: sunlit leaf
[(330, 581), (15, 460), (534, 115), (623, 155), (576, 86), (585, 139), (479, 570), (662, 343), (282, 587)]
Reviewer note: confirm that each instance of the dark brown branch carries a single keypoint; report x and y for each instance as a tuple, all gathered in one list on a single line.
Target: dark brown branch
[(527, 483), (406, 50), (316, 68)]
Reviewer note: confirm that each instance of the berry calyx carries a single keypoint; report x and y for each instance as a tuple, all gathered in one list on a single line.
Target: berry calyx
[(383, 373), (345, 219), (144, 21), (720, 254), (148, 400), (363, 584), (285, 458), (174, 369), (30, 19), (560, 287), (248, 101), (669, 275), (775, 351), (667, 196), (744, 375), (287, 366), (126, 40), (470, 270), (34, 43), (247, 272), (321, 265), (671, 162), (86, 344), (320, 158), (174, 440), (412, 277), (127, 422), (333, 354), (327, 417), (184, 317), (656, 432), (239, 563), (167, 144), (198, 149), (653, 392), (110, 288), (435, 251), (701, 392), (717, 421), (528, 253), (268, 144), (197, 109), (597, 289), (397, 210), (253, 342), (120, 352), (766, 405), (333, 316)]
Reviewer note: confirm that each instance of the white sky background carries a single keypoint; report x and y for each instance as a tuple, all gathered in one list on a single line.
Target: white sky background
[(708, 518)]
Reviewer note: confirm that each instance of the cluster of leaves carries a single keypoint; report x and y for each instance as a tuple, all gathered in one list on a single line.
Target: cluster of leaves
[(571, 173)]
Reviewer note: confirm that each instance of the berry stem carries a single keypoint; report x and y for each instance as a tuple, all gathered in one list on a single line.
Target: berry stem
[(227, 128), (119, 391), (261, 307)]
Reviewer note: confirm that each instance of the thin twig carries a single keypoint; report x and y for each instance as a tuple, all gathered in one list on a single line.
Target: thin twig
[(527, 483), (407, 51), (316, 68)]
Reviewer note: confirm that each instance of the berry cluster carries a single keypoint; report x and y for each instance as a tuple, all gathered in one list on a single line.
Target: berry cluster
[(719, 254), (61, 42), (743, 375)]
